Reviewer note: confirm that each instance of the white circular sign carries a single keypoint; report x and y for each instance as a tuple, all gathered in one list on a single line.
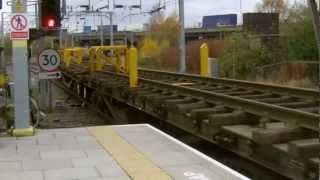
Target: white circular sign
[(49, 60)]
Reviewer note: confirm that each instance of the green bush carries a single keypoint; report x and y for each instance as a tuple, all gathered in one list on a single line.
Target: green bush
[(298, 28), (242, 54)]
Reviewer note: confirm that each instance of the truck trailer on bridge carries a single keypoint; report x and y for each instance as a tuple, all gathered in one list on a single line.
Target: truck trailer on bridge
[(219, 21)]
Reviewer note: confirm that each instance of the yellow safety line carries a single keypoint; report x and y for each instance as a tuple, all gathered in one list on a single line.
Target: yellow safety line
[(133, 162)]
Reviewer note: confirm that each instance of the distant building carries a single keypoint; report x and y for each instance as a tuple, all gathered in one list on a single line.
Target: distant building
[(264, 25), (219, 21), (106, 28), (86, 29), (261, 23)]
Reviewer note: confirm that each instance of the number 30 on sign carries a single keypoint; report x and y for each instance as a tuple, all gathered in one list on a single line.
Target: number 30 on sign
[(49, 60)]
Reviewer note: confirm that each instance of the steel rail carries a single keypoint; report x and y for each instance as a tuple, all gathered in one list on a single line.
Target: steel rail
[(279, 89), (276, 89), (265, 110)]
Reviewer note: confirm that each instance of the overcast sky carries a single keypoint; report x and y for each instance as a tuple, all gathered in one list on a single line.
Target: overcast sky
[(194, 11)]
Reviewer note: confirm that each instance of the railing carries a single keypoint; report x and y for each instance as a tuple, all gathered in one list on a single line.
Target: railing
[(123, 59)]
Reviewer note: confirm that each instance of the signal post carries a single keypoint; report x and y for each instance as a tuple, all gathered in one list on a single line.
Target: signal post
[(19, 36), (50, 21)]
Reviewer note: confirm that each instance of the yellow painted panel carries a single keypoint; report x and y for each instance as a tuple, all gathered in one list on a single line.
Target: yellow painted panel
[(19, 43)]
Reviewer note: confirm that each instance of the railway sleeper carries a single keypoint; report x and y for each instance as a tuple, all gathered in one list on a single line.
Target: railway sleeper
[(163, 94), (314, 167), (304, 148), (302, 167), (203, 113), (159, 99), (275, 135), (212, 125), (148, 92), (180, 120), (273, 156), (185, 108), (173, 103), (154, 103), (194, 122), (179, 114), (141, 98)]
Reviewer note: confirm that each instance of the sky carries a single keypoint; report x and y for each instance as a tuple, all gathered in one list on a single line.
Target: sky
[(194, 11)]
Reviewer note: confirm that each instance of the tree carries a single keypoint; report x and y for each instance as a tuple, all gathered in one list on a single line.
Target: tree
[(161, 28), (163, 34), (150, 48), (274, 6), (298, 28)]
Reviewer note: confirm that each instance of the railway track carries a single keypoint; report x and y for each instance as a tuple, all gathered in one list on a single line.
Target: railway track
[(274, 126), (306, 100)]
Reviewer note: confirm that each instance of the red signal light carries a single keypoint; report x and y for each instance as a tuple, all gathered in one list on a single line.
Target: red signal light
[(51, 23), (50, 14)]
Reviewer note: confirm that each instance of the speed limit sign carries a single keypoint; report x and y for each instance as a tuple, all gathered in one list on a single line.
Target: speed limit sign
[(49, 60)]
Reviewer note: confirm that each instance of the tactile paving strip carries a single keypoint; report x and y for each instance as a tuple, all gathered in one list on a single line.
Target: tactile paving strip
[(135, 163)]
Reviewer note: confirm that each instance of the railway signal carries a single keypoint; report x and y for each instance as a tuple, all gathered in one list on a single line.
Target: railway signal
[(50, 14)]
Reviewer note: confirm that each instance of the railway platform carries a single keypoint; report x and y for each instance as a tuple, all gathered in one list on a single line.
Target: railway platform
[(139, 152)]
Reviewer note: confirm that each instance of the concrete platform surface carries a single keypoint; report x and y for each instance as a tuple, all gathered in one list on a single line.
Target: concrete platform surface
[(126, 152)]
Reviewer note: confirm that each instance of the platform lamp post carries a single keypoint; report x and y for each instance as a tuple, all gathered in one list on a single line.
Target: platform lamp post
[(182, 41)]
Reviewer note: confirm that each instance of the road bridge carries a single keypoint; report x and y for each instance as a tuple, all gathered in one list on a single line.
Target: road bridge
[(93, 38)]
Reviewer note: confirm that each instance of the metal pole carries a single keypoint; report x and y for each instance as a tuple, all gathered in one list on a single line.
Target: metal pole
[(2, 28), (72, 41), (111, 29), (182, 45), (131, 38), (316, 24), (36, 14), (2, 63), (60, 37), (234, 64), (126, 39), (101, 30)]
